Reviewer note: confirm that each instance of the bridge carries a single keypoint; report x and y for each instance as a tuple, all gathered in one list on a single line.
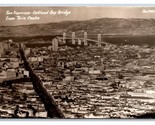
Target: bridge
[(74, 41), (81, 41)]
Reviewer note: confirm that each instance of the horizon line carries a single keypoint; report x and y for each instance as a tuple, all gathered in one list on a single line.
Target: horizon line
[(73, 21)]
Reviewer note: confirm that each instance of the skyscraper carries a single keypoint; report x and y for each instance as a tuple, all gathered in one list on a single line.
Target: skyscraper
[(85, 39), (55, 44), (73, 37), (64, 37), (99, 40)]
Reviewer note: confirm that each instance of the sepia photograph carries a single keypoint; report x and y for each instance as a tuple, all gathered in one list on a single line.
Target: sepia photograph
[(77, 62)]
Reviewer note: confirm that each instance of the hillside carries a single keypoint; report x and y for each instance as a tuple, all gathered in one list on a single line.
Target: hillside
[(112, 26)]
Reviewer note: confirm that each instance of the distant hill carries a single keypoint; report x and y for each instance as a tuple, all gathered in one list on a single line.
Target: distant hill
[(106, 26)]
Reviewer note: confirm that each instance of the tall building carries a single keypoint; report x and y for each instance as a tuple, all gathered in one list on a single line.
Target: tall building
[(4, 46), (99, 40), (1, 49), (73, 37), (85, 39), (64, 37), (55, 44)]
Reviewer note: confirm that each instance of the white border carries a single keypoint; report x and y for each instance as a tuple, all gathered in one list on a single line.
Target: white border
[(76, 3), (62, 2), (77, 122)]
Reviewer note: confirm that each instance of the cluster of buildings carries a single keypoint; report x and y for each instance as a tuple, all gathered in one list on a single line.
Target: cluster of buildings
[(11, 66), (97, 81), (21, 101), (4, 47), (108, 81), (17, 96)]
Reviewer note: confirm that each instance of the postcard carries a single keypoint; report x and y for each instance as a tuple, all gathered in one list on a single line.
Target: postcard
[(73, 62)]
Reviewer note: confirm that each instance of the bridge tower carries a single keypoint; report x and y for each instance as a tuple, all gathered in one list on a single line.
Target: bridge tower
[(99, 40), (85, 39), (73, 37), (64, 37), (55, 44)]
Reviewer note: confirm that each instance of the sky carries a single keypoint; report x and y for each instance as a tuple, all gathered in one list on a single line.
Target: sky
[(8, 15)]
